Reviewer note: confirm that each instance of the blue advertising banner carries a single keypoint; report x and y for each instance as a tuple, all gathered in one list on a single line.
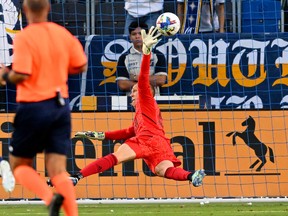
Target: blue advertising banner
[(226, 71), (231, 71)]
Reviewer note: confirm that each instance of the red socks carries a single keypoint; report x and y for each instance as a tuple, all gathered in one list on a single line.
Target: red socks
[(100, 165), (178, 174), (105, 163)]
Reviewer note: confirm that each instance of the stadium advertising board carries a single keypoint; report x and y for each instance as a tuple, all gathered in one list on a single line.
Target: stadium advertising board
[(240, 71), (229, 71), (244, 154)]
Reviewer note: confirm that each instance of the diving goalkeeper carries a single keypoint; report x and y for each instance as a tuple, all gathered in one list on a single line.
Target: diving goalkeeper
[(146, 137)]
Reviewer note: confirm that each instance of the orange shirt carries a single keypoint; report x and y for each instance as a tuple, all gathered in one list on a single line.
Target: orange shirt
[(45, 51)]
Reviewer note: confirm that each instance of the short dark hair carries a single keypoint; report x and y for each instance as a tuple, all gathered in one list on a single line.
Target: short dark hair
[(136, 24)]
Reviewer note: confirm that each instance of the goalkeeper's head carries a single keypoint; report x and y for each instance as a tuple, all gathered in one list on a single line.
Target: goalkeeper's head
[(134, 94)]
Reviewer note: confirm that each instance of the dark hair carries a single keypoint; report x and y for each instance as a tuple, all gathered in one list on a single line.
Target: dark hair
[(37, 6), (137, 24)]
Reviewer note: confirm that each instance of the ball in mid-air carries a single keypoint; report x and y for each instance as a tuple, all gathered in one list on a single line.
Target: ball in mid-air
[(168, 24)]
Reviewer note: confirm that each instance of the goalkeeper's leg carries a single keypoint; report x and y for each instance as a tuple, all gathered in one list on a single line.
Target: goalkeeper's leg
[(180, 174), (124, 153), (100, 165), (167, 170)]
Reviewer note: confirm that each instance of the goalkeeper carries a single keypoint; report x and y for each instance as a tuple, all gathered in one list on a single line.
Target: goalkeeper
[(146, 137)]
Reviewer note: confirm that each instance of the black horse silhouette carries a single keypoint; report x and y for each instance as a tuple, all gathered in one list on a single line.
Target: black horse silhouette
[(253, 142)]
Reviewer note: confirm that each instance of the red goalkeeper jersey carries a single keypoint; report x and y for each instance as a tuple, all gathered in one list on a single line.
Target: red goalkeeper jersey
[(148, 119), (146, 136)]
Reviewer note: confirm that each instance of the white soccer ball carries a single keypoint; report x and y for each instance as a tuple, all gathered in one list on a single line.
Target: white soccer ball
[(168, 24)]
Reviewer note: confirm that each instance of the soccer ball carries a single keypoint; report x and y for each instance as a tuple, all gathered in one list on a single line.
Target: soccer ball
[(168, 24)]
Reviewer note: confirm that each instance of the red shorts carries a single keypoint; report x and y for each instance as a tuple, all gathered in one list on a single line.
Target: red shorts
[(153, 149)]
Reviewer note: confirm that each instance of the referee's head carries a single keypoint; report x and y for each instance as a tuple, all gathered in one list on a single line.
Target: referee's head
[(36, 10)]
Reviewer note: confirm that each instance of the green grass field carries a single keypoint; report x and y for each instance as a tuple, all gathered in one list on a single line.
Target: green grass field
[(211, 209)]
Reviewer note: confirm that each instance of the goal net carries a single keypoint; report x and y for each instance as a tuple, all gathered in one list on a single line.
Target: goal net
[(224, 104)]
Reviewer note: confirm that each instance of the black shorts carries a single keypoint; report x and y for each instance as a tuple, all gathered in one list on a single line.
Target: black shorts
[(41, 127)]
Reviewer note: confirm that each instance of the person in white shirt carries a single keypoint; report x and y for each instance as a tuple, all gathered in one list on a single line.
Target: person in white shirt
[(196, 16), (146, 11), (128, 66)]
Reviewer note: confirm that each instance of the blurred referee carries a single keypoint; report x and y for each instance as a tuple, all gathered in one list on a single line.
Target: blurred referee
[(44, 54)]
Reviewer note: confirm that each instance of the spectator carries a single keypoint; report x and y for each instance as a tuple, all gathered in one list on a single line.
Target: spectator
[(128, 67), (146, 11), (190, 18)]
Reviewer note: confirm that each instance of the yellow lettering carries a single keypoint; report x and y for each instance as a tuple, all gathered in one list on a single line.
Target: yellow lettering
[(109, 72), (284, 79), (178, 71), (245, 81), (205, 75)]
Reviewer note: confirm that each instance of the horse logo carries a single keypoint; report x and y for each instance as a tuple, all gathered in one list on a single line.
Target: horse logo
[(249, 137)]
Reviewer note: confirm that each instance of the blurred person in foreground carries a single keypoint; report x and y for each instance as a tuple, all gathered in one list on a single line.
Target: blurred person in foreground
[(44, 55), (146, 137)]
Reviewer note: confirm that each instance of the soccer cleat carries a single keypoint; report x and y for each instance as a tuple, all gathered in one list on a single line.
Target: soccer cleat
[(73, 178), (49, 183), (8, 180), (197, 177), (55, 205)]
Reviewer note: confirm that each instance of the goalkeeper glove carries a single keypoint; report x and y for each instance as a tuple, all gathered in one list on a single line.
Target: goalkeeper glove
[(149, 39), (91, 135)]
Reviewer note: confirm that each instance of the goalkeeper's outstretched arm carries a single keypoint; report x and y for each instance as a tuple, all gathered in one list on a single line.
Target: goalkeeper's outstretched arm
[(149, 39), (111, 135), (91, 135)]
